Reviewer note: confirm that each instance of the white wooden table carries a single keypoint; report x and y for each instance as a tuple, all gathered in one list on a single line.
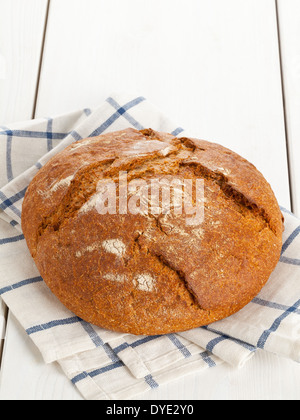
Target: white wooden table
[(228, 70)]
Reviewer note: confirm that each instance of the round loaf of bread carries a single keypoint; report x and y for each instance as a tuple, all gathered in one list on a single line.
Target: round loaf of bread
[(125, 265)]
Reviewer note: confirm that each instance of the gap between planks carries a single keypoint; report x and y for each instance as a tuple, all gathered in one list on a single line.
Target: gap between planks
[(5, 309), (41, 60), (284, 106)]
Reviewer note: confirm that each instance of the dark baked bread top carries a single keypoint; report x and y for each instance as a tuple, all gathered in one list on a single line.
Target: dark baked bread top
[(144, 273)]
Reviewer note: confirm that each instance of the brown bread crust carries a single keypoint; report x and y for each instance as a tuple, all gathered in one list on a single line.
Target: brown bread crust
[(147, 274)]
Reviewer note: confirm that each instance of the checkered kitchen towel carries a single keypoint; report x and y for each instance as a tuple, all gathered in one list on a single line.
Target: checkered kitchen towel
[(103, 364)]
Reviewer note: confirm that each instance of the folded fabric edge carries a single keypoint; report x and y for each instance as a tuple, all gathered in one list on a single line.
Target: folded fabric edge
[(138, 367), (91, 390), (234, 352)]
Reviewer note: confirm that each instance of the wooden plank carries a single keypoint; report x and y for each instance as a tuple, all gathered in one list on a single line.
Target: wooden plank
[(21, 35), (289, 25), (29, 377), (213, 67)]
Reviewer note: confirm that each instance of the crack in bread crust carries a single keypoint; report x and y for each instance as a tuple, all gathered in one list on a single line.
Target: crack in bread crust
[(167, 264), (230, 192), (182, 278)]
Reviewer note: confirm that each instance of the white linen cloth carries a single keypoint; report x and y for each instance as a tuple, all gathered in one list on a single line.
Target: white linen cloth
[(103, 364)]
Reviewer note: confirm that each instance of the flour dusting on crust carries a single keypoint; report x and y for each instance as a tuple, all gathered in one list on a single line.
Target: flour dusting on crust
[(119, 278), (63, 183), (144, 147), (114, 246), (144, 282), (90, 248)]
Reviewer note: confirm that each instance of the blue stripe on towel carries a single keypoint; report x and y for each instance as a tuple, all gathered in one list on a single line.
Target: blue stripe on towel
[(116, 115), (276, 324), (20, 284), (11, 240)]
